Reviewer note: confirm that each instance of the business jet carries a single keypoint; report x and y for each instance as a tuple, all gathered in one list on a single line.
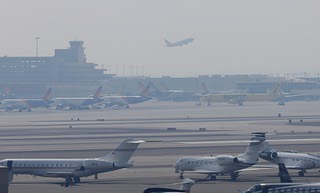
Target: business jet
[(292, 159), (26, 104), (179, 43), (73, 169), (221, 164), (286, 185), (77, 103), (186, 185)]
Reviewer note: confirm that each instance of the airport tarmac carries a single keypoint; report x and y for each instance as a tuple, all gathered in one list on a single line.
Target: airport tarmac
[(46, 133)]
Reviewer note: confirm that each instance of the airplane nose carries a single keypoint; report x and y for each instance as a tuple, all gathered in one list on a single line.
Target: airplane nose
[(177, 165)]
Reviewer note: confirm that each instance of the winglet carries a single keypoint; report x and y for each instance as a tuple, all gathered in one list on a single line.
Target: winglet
[(47, 94)]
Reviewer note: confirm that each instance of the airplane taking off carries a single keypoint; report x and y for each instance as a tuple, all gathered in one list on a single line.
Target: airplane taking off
[(26, 104), (179, 43), (77, 102), (292, 159), (221, 164), (72, 169)]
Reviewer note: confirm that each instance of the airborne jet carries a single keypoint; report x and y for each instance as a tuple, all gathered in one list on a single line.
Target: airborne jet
[(72, 169), (179, 43)]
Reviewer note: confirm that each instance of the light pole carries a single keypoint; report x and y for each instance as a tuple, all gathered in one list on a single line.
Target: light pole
[(37, 46)]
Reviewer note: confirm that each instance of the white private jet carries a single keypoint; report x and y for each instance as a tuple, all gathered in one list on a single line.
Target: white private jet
[(73, 169), (221, 164), (292, 159)]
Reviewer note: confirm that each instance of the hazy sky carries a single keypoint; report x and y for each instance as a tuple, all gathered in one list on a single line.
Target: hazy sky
[(231, 36)]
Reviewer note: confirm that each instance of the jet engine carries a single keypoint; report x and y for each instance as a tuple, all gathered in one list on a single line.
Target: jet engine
[(225, 160), (269, 155)]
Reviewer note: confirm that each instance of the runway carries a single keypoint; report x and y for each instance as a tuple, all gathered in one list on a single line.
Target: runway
[(46, 133)]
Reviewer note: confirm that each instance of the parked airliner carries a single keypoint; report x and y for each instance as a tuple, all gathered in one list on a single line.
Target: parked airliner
[(76, 103), (221, 164), (291, 158), (121, 100), (72, 169), (273, 95), (26, 104)]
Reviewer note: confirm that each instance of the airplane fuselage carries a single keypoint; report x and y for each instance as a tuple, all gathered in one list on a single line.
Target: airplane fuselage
[(209, 164), (300, 161), (60, 167), (23, 104), (75, 102)]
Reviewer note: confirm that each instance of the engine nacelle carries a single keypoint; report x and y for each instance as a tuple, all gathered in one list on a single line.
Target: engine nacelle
[(269, 155), (225, 160)]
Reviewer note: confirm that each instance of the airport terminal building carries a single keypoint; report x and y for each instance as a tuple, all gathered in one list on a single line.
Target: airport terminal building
[(69, 74), (66, 66)]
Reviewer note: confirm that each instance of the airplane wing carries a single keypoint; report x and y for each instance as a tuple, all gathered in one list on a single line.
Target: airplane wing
[(274, 166), (202, 171), (255, 169), (58, 173)]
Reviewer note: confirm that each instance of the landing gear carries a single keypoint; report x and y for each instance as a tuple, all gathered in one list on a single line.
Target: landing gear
[(234, 176), (76, 179), (29, 110), (69, 182), (181, 176), (301, 173), (211, 177)]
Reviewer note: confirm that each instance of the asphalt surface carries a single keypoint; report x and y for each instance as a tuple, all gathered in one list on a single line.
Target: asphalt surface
[(47, 133)]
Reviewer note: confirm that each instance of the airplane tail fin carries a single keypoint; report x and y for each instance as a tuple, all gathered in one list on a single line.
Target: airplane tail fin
[(97, 93), (167, 42), (252, 152), (276, 90), (154, 87), (145, 91), (142, 88), (123, 152), (284, 174), (47, 95), (204, 89)]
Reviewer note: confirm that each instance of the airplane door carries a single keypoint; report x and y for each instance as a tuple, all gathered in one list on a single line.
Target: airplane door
[(9, 165)]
